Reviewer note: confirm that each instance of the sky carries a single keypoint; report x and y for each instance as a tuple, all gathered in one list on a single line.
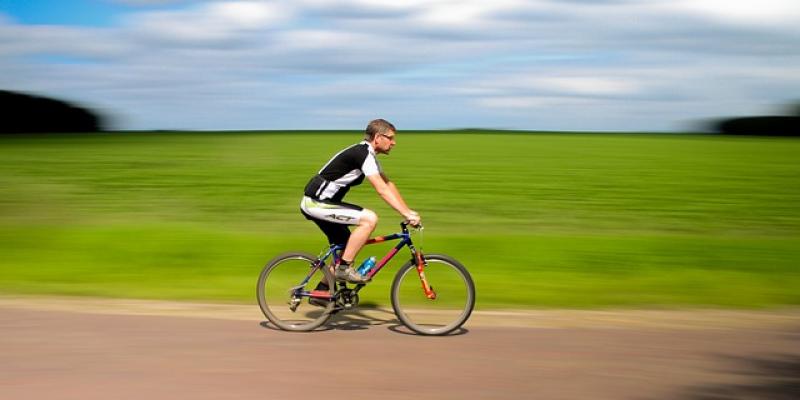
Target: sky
[(569, 65)]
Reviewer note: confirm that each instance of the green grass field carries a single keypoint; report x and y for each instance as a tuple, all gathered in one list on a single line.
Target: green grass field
[(541, 220)]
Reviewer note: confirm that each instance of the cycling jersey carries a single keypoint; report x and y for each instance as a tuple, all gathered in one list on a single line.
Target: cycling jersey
[(323, 203), (345, 170)]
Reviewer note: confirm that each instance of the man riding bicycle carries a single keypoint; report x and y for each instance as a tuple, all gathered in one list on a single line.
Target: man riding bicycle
[(322, 201)]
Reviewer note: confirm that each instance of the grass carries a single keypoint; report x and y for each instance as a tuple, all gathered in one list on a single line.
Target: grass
[(541, 220)]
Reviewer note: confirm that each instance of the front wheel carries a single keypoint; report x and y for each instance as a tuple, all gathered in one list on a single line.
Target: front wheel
[(285, 290), (452, 305)]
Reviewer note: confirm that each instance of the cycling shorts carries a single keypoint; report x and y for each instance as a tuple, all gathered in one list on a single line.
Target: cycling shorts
[(331, 217)]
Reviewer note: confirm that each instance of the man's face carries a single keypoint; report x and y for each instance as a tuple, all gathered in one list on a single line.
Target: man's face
[(384, 142)]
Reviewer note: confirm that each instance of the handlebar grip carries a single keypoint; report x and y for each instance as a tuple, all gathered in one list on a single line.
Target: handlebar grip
[(405, 224)]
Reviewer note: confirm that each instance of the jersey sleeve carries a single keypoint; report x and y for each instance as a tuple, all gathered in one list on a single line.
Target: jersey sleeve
[(370, 166)]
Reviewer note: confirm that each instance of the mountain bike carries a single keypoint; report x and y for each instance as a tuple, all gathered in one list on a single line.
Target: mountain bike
[(432, 294)]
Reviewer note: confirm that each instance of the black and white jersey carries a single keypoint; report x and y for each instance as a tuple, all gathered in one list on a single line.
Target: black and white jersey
[(346, 169)]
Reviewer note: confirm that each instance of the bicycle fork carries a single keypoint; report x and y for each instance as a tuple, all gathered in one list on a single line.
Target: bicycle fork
[(421, 264)]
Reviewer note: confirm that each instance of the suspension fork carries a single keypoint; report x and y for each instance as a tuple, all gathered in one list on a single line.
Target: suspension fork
[(419, 260)]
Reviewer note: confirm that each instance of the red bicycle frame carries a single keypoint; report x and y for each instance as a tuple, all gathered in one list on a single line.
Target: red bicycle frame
[(405, 240)]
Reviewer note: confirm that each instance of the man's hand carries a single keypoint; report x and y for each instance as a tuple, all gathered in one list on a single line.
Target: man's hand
[(413, 218)]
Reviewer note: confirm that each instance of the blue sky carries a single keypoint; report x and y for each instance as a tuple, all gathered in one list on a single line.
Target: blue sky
[(613, 65), (79, 13)]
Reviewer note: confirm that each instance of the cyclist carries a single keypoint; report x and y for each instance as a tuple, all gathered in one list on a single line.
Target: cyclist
[(322, 201)]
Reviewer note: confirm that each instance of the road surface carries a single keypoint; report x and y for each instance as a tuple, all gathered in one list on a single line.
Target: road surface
[(115, 349)]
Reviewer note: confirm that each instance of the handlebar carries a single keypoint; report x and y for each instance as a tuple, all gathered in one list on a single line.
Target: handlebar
[(404, 225)]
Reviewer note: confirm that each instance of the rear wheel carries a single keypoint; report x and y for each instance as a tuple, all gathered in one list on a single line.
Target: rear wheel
[(284, 292), (452, 306)]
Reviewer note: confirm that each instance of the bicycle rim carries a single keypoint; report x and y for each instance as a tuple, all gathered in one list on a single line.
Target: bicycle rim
[(278, 293), (455, 296)]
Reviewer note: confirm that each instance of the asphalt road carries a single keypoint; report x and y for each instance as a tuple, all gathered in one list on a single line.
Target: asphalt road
[(74, 354)]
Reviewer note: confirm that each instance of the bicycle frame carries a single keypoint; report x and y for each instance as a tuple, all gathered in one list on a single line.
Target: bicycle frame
[(405, 240)]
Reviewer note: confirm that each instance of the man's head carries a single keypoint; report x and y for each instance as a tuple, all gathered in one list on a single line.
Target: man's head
[(381, 133)]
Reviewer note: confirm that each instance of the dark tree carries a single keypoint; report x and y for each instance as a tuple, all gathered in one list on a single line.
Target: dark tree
[(24, 113), (761, 126)]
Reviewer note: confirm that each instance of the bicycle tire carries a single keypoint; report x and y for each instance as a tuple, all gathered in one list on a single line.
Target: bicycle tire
[(275, 295), (443, 315)]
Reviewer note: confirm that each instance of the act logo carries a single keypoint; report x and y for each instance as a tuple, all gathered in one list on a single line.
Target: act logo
[(344, 218)]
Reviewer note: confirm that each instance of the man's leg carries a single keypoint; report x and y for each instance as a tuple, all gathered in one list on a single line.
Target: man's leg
[(333, 219), (360, 235)]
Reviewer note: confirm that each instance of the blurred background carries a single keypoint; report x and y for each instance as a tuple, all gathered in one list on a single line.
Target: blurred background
[(194, 125)]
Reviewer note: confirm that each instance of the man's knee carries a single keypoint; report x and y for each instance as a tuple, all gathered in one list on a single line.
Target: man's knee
[(369, 218)]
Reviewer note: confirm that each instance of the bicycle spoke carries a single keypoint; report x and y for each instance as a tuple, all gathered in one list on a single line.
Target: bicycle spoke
[(283, 298), (453, 302)]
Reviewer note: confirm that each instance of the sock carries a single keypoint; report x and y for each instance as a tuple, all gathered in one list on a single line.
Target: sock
[(344, 264)]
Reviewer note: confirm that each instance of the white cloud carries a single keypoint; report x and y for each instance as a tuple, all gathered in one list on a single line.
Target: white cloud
[(588, 85), (326, 39), (21, 40), (768, 14), (247, 14), (431, 63), (463, 14), (575, 85), (382, 9), (210, 22), (521, 102)]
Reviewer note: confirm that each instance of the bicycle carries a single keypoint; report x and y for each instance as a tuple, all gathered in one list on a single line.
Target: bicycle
[(285, 298)]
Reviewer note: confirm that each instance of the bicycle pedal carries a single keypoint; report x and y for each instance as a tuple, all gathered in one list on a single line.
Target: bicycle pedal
[(293, 303)]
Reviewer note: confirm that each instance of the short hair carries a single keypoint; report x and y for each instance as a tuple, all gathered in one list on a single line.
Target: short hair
[(377, 127)]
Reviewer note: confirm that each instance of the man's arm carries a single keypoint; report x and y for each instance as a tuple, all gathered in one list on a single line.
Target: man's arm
[(388, 191), (394, 190)]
